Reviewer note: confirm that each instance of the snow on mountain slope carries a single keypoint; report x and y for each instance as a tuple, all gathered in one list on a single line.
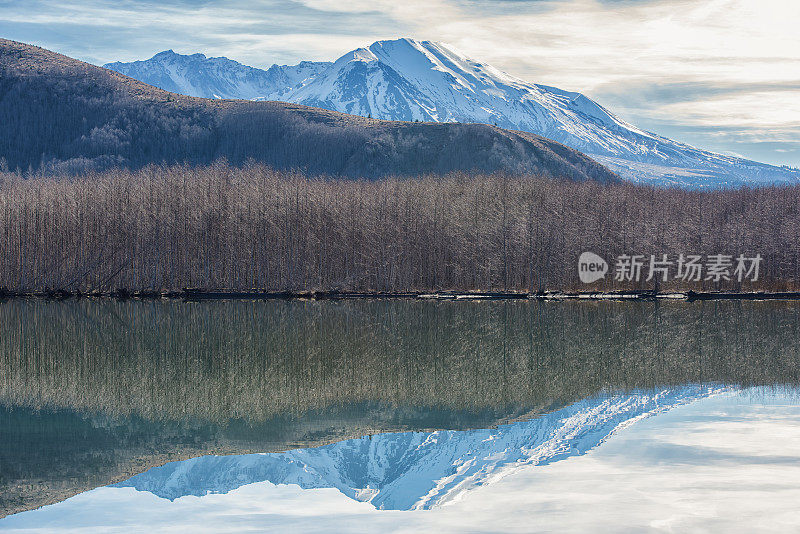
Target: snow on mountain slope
[(216, 77), (420, 470), (410, 80)]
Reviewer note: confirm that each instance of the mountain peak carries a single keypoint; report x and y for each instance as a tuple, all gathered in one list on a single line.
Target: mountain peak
[(171, 55), (402, 42), (409, 42), (408, 47), (359, 54), (164, 54), (403, 50)]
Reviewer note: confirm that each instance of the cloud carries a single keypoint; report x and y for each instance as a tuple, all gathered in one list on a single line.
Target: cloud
[(609, 50), (258, 33)]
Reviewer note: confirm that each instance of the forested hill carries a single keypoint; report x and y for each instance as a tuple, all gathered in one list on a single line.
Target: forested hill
[(62, 115)]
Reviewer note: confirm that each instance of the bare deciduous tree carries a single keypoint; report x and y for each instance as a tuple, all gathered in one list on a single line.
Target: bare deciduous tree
[(254, 228)]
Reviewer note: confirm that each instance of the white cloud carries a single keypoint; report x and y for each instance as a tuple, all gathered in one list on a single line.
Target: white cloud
[(757, 110), (590, 46)]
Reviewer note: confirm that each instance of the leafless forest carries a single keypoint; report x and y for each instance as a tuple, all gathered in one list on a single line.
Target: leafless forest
[(220, 227)]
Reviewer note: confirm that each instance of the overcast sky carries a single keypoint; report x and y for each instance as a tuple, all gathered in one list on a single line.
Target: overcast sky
[(719, 74)]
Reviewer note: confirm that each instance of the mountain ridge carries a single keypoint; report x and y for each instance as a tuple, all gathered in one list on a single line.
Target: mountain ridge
[(412, 80), (215, 77)]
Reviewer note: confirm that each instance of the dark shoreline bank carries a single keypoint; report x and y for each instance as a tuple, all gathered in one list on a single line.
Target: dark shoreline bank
[(201, 295)]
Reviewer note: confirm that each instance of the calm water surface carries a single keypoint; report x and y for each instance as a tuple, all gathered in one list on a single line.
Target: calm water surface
[(369, 408)]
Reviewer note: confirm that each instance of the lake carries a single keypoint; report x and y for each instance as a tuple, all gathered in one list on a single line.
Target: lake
[(398, 415)]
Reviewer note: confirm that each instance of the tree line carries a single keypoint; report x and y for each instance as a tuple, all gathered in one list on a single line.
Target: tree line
[(254, 228)]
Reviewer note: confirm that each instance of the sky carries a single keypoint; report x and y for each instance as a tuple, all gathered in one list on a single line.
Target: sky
[(727, 463), (722, 75)]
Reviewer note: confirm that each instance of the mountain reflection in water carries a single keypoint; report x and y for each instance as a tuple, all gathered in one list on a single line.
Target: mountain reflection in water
[(419, 470), (94, 392)]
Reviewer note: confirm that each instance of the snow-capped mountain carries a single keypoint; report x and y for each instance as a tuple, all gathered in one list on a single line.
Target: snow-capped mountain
[(411, 80), (217, 77), (420, 470)]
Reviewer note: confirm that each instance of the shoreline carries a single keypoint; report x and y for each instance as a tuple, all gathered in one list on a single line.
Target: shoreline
[(204, 295)]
